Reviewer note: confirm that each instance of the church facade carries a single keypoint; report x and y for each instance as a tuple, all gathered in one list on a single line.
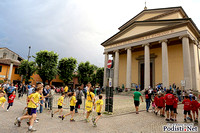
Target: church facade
[(156, 46)]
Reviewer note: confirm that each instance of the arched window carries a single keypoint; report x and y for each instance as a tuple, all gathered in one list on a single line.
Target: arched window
[(4, 55)]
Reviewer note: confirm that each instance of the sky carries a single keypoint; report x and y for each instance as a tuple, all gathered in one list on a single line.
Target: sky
[(73, 28)]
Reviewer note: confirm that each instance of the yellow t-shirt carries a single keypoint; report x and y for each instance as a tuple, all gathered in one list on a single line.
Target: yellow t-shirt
[(36, 98), (72, 101), (60, 101), (90, 96), (66, 89), (2, 100), (99, 103)]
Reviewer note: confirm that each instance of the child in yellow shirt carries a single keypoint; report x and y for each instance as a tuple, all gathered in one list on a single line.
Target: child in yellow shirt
[(32, 107), (98, 106), (72, 106), (2, 99), (60, 103), (89, 102)]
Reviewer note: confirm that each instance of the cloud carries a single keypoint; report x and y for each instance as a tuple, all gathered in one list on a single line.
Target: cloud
[(72, 28)]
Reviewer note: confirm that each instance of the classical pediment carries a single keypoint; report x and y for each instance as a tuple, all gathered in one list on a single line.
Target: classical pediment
[(145, 27)]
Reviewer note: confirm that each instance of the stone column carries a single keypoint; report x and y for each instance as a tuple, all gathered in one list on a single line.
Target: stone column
[(116, 69), (105, 67), (146, 66), (194, 65), (10, 71), (165, 70), (186, 62), (128, 70)]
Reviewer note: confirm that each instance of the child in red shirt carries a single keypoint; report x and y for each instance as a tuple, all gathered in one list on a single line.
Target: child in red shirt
[(161, 104), (187, 108), (169, 99), (156, 103), (195, 105), (11, 100), (175, 105)]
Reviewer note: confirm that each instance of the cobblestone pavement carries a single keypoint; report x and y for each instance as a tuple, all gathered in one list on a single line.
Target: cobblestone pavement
[(126, 122)]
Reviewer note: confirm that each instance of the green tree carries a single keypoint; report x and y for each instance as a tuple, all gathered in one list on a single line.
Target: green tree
[(47, 65), (99, 76), (85, 71), (66, 67), (24, 66)]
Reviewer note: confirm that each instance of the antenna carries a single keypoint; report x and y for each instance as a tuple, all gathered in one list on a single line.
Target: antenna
[(145, 8)]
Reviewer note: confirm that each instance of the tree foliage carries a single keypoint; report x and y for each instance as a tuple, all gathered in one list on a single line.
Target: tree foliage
[(99, 76), (24, 66), (47, 65), (66, 67), (85, 71)]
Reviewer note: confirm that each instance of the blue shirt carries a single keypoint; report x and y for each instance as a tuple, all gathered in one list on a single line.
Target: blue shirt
[(10, 89)]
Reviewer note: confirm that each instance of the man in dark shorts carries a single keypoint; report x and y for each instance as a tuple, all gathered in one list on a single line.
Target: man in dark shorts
[(136, 96), (169, 99)]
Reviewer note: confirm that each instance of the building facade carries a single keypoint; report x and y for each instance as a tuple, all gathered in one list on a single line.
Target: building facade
[(9, 63), (156, 46)]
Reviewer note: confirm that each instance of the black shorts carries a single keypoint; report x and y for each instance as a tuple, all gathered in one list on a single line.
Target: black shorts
[(10, 104), (169, 107), (160, 107), (98, 113), (59, 107), (29, 111), (71, 108), (175, 110), (137, 103), (186, 112)]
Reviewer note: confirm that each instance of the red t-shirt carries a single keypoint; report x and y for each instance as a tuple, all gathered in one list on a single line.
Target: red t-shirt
[(169, 98), (187, 104), (195, 105), (156, 100), (161, 102), (11, 98), (175, 102)]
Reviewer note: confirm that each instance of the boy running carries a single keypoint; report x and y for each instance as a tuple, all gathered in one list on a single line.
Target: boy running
[(89, 102), (187, 108), (60, 103), (99, 105), (195, 105), (11, 100), (169, 98), (136, 96), (72, 106), (32, 107)]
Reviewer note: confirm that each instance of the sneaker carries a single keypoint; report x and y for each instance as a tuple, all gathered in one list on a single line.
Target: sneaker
[(185, 120), (163, 115), (171, 119), (17, 122), (62, 117), (93, 120), (7, 110), (156, 113), (36, 121), (72, 120), (137, 112), (191, 120), (51, 114), (28, 123), (32, 129), (174, 119), (87, 120), (94, 124), (167, 119)]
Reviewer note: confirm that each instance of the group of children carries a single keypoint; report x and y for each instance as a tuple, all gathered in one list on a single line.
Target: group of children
[(169, 103), (90, 105), (10, 99)]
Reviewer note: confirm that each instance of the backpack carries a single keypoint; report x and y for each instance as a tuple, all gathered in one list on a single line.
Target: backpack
[(147, 96)]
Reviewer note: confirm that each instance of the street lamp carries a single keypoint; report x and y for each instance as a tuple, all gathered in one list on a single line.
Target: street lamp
[(27, 63)]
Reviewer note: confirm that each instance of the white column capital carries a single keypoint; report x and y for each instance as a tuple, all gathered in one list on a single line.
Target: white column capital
[(165, 40), (128, 48), (147, 44), (184, 36), (116, 50), (105, 52)]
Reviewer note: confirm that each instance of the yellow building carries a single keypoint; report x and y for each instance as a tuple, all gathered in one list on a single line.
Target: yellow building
[(156, 46)]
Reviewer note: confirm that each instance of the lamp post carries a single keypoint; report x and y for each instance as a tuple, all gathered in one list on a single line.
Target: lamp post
[(27, 63)]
